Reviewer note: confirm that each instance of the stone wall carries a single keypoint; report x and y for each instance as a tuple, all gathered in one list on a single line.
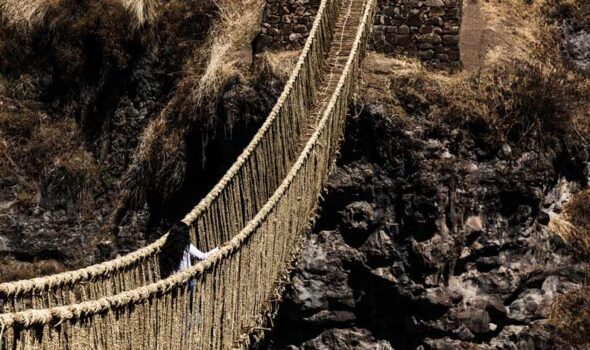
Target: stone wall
[(428, 29), (286, 23)]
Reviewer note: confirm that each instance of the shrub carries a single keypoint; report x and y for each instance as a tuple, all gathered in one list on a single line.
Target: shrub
[(69, 182), (573, 225), (143, 11), (25, 13), (576, 10), (570, 314), (528, 104), (13, 270)]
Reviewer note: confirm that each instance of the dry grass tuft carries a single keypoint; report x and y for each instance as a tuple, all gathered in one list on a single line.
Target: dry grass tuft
[(159, 166), (573, 226), (11, 270), (230, 50), (522, 95), (516, 29), (44, 157), (278, 64), (529, 103), (25, 13), (524, 103), (143, 11), (379, 70), (578, 211), (570, 314), (570, 234)]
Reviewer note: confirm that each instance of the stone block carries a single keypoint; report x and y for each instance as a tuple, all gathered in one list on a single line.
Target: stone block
[(300, 11), (426, 29), (300, 28), (272, 19), (429, 39), (450, 39), (437, 11), (436, 21), (391, 30), (414, 20), (286, 28), (426, 55), (391, 38), (454, 55), (403, 40), (454, 30), (295, 36), (264, 41), (453, 13), (390, 11)]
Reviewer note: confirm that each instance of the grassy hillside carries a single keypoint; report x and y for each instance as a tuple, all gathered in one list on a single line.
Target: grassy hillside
[(106, 107)]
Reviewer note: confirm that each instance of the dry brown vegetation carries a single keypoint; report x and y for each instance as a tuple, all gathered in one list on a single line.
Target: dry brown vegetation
[(143, 11), (529, 105), (570, 314), (525, 95), (35, 150), (573, 225), (11, 270), (522, 95), (159, 165), (279, 64), (44, 146), (27, 14), (58, 148), (578, 211)]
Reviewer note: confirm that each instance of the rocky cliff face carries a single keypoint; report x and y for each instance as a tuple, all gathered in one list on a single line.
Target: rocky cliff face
[(427, 240)]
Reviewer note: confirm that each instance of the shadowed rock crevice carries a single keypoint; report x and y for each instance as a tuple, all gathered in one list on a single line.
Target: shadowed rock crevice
[(421, 244)]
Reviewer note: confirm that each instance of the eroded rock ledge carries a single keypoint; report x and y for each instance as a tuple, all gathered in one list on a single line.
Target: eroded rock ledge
[(428, 241)]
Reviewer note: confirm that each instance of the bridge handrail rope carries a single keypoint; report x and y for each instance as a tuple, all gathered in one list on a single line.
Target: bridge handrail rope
[(140, 267), (233, 286)]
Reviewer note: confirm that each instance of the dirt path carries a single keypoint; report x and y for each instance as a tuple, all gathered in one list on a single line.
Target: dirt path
[(472, 43)]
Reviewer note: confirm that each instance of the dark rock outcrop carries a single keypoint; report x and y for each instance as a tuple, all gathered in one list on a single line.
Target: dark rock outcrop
[(423, 243)]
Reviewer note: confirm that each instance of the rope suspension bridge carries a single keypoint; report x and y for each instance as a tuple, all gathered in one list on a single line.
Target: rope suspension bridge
[(262, 207)]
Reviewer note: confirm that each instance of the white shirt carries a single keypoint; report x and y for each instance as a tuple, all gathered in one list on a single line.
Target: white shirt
[(192, 252)]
